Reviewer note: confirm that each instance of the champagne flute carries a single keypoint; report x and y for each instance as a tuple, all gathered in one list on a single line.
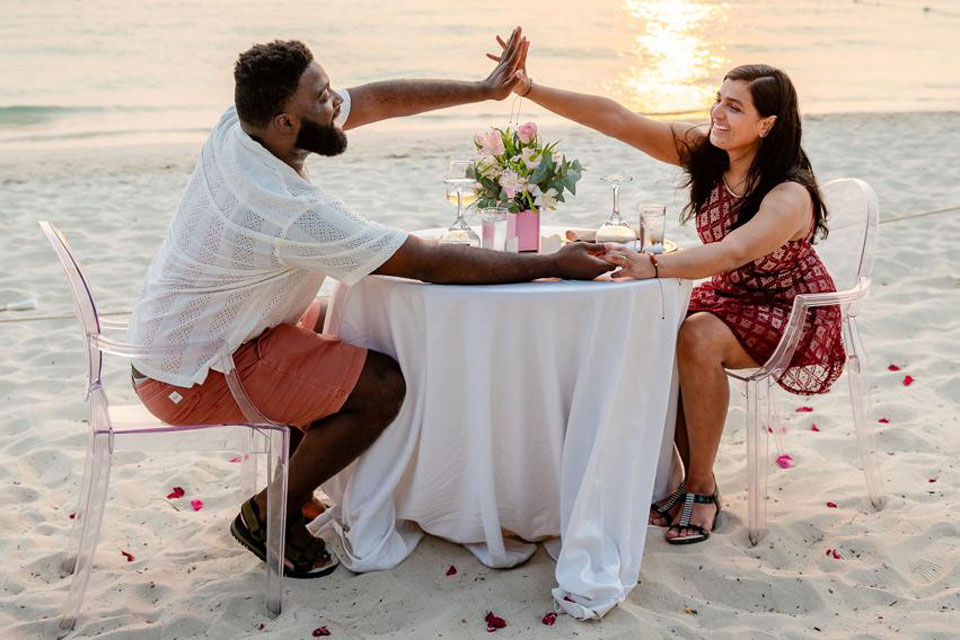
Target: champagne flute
[(615, 229), (461, 191)]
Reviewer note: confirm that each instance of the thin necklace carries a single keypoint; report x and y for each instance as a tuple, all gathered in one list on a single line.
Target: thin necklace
[(731, 191)]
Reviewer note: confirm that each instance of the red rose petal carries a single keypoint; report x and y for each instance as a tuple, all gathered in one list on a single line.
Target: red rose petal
[(494, 622), (127, 555), (452, 571), (549, 619), (319, 632), (934, 479), (907, 381), (832, 505), (260, 626), (236, 459), (569, 599), (73, 515), (884, 420), (196, 504), (814, 427), (804, 409), (785, 461), (829, 551), (836, 555), (177, 492), (893, 367)]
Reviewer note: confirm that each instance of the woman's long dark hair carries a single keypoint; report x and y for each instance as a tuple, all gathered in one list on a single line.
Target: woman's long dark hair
[(779, 158)]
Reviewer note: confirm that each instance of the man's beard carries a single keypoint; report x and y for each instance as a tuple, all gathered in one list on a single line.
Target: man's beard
[(326, 140)]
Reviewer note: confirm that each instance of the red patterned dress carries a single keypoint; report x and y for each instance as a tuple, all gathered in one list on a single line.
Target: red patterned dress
[(755, 300)]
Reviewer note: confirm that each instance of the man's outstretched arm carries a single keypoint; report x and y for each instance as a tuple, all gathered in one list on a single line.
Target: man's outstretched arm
[(452, 264), (396, 98)]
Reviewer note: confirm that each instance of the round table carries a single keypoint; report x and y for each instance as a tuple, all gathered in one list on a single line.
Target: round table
[(539, 408)]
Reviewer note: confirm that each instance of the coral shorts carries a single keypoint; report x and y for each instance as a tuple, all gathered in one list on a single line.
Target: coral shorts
[(293, 375)]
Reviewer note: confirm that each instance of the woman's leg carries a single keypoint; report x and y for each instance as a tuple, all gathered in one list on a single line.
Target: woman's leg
[(705, 347), (683, 451)]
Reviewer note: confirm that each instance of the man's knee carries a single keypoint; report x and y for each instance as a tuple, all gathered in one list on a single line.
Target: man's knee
[(385, 384)]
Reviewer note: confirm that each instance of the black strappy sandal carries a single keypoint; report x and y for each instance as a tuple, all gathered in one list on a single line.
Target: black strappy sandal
[(700, 533), (668, 504), (249, 532)]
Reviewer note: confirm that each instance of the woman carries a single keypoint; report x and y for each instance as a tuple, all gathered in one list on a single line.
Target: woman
[(758, 209)]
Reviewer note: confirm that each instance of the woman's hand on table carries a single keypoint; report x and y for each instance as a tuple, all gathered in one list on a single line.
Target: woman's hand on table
[(581, 261), (631, 265)]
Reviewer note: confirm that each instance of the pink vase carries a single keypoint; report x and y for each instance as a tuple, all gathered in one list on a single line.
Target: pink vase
[(527, 229)]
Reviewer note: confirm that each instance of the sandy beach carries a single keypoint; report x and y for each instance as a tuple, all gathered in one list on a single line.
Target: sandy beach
[(896, 573)]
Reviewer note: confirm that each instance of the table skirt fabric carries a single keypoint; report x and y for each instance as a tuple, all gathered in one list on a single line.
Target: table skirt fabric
[(539, 408)]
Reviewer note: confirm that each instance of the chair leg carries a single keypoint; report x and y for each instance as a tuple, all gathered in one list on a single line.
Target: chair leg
[(80, 513), (756, 464), (859, 378), (100, 461), (249, 465), (775, 421), (277, 463)]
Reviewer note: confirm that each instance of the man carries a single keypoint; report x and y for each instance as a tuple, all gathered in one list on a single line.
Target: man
[(253, 240)]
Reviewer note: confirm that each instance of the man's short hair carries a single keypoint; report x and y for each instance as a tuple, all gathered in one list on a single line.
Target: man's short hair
[(266, 76)]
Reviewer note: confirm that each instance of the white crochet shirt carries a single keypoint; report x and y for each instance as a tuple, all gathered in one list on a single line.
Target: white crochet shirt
[(248, 249)]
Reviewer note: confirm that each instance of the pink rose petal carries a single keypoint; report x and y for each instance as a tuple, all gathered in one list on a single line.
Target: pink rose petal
[(127, 555), (452, 571), (884, 420), (196, 504), (814, 427), (907, 381), (177, 492), (785, 461), (804, 409), (549, 619), (320, 632), (893, 367), (832, 505)]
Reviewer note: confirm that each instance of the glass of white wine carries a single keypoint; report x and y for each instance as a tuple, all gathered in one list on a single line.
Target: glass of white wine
[(653, 221), (461, 191), (616, 229)]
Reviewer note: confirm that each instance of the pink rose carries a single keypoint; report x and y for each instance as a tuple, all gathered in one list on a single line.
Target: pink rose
[(527, 132), (494, 144)]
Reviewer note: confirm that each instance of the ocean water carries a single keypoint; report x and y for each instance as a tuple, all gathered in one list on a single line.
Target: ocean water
[(105, 72)]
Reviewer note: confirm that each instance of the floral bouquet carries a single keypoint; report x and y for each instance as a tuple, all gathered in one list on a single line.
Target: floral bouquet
[(518, 171)]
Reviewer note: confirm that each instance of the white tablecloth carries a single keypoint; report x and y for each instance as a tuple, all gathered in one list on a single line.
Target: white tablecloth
[(539, 408)]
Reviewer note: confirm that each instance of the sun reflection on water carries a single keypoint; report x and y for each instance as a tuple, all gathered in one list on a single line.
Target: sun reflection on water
[(675, 66)]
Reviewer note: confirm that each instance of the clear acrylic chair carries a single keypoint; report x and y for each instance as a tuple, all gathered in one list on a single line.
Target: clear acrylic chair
[(119, 428), (848, 254)]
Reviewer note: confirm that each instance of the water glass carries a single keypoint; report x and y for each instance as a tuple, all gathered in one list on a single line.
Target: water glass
[(494, 228), (653, 220)]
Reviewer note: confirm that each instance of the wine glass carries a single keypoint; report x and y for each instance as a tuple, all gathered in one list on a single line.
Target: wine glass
[(461, 191), (615, 229)]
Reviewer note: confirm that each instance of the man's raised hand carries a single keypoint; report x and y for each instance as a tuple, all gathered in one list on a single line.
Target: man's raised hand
[(512, 59)]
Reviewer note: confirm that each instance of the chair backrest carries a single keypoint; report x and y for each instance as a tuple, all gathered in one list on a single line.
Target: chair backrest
[(83, 301), (853, 215)]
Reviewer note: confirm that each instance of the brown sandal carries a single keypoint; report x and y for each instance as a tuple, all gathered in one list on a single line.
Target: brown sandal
[(250, 532)]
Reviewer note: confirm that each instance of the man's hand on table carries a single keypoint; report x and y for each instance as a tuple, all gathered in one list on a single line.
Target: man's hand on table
[(581, 261)]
